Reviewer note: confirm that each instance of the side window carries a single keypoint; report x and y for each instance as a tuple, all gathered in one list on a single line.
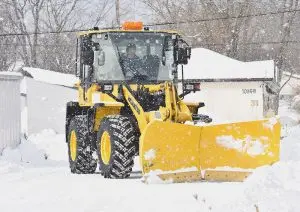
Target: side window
[(106, 64)]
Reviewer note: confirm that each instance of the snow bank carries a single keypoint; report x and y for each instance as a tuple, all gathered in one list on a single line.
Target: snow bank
[(52, 77), (41, 149), (276, 188)]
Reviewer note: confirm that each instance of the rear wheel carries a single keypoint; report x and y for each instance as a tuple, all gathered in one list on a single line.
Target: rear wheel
[(116, 146), (79, 148)]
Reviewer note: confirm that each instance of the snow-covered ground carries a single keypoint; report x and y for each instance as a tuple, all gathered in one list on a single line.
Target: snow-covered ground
[(36, 177)]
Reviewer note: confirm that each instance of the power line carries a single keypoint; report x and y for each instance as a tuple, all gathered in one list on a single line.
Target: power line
[(224, 18), (157, 24), (45, 5), (41, 33), (53, 32), (39, 45), (201, 44), (253, 43)]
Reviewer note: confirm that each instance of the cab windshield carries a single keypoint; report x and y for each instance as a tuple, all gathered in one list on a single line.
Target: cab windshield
[(133, 56)]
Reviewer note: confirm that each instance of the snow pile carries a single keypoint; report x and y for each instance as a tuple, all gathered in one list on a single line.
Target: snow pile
[(39, 150), (252, 146), (276, 188), (26, 153), (52, 77)]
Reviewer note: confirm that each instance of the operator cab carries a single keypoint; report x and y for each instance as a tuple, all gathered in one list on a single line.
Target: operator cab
[(132, 54)]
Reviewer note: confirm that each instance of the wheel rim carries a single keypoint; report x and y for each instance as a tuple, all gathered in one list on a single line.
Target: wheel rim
[(105, 147), (73, 145)]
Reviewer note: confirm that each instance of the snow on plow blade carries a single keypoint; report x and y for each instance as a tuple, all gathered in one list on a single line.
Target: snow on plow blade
[(225, 152)]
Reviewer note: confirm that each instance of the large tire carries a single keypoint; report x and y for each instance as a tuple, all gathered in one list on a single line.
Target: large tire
[(80, 154), (121, 147)]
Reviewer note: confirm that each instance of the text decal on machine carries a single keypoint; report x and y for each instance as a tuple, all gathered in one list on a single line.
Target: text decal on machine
[(249, 91)]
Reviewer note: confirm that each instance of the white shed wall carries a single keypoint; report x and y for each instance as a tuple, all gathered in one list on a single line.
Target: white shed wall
[(10, 112), (46, 106), (230, 101)]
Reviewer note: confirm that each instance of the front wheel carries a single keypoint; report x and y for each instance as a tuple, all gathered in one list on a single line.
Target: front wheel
[(116, 146), (79, 148)]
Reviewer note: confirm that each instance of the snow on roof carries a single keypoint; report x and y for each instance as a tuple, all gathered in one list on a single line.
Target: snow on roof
[(52, 77), (10, 75), (296, 76), (209, 65)]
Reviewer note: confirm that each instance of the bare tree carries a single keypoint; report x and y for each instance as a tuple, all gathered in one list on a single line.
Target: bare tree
[(67, 15), (35, 6), (17, 12), (7, 44), (286, 22)]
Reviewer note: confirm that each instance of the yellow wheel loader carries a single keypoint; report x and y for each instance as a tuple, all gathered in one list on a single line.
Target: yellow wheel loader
[(129, 105)]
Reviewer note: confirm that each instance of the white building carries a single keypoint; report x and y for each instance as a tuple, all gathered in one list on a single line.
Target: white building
[(10, 109), (46, 94), (232, 90)]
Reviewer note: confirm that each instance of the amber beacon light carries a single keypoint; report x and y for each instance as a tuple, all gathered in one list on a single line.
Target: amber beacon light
[(132, 25)]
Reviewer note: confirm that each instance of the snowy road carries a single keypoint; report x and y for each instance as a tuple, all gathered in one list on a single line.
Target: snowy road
[(38, 184), (54, 189), (28, 182)]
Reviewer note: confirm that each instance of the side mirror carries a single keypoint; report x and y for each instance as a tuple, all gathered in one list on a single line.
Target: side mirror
[(192, 87), (188, 52), (183, 55), (87, 53), (100, 58), (88, 56)]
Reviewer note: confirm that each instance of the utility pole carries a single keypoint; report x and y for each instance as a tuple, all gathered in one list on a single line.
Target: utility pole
[(118, 12)]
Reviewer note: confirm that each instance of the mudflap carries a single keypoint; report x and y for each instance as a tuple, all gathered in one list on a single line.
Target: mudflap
[(224, 152)]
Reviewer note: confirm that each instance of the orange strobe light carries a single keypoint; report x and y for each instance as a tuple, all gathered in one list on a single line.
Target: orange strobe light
[(132, 25)]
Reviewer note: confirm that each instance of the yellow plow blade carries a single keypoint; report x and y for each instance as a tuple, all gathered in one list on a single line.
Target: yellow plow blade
[(225, 152)]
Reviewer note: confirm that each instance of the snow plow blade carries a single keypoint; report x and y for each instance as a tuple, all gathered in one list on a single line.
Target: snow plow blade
[(224, 152)]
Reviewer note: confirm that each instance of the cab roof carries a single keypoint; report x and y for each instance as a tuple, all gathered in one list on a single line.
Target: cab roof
[(90, 32)]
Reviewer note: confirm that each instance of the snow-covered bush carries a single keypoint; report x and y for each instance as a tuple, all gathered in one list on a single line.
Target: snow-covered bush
[(296, 100), (296, 103)]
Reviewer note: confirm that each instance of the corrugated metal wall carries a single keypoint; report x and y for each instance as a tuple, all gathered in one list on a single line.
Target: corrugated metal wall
[(10, 111)]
